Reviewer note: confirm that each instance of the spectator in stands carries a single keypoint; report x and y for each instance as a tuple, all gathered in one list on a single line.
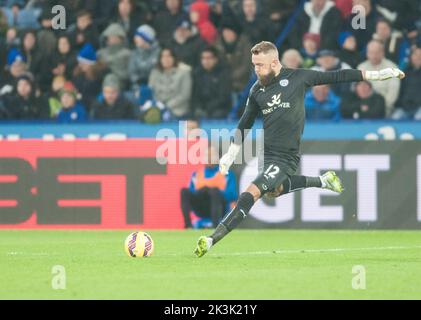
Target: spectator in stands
[(129, 17), (54, 97), (74, 7), (320, 17), (88, 75), (10, 41), (166, 21), (187, 43), (253, 24), (348, 52), (402, 14), (71, 109), (231, 9), (192, 129), (216, 10), (364, 103), (409, 103), (115, 54), (393, 41), (47, 35), (112, 104), (3, 46), (377, 61), (24, 103), (84, 31), (321, 103), (64, 60), (234, 48), (11, 3), (16, 67), (38, 62), (328, 61), (29, 47), (345, 7), (3, 24), (370, 16), (291, 58), (20, 17), (211, 87), (310, 49), (144, 57), (12, 38), (200, 17), (210, 193), (279, 12), (104, 12), (171, 82), (148, 109)]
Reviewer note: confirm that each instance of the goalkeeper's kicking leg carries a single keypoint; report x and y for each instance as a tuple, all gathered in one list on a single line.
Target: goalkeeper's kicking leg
[(230, 221), (247, 199)]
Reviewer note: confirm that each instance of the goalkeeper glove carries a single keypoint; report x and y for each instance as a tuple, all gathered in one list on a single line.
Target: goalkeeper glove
[(227, 159), (384, 74)]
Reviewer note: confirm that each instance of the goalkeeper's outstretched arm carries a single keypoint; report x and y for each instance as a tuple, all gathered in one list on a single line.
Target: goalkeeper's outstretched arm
[(245, 123), (315, 78), (383, 74)]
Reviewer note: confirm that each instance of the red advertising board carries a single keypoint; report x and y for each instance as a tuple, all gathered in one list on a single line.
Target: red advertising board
[(84, 184)]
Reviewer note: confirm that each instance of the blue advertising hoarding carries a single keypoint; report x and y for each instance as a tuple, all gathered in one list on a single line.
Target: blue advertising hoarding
[(344, 130)]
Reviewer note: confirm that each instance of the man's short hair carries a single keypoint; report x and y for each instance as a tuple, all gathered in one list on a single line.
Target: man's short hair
[(214, 51), (381, 19), (264, 47), (83, 13), (381, 43)]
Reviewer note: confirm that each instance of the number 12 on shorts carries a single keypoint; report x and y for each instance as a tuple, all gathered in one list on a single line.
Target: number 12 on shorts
[(271, 171)]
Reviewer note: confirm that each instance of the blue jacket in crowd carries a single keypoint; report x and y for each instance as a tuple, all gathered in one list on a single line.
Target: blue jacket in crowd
[(77, 113)]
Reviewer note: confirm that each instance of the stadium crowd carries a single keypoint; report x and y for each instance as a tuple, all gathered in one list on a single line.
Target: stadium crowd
[(163, 60)]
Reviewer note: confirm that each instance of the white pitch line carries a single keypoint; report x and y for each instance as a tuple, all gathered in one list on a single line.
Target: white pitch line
[(327, 250), (251, 253), (29, 254), (334, 250)]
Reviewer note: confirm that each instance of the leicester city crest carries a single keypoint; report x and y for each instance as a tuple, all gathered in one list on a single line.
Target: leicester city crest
[(284, 82)]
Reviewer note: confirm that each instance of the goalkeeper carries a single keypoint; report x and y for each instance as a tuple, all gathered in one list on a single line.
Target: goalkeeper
[(279, 95)]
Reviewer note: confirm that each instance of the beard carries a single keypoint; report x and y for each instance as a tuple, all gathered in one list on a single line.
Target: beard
[(265, 80)]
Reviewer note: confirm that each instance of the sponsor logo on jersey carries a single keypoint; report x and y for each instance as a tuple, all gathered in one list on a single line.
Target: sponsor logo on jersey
[(276, 103), (276, 100)]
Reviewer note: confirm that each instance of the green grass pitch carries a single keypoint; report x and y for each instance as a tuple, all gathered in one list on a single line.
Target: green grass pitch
[(248, 264)]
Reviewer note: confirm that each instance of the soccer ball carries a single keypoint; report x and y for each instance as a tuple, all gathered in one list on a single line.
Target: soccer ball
[(139, 244)]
